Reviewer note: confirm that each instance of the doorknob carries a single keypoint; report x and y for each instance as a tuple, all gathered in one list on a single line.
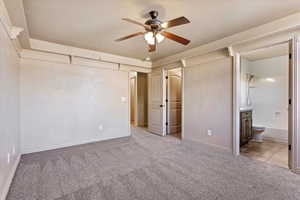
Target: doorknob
[(161, 105)]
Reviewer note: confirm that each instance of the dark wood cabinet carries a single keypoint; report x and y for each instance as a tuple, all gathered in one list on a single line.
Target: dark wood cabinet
[(246, 133)]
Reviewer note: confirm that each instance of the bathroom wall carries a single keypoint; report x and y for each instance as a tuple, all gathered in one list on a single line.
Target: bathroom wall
[(270, 95), (244, 70)]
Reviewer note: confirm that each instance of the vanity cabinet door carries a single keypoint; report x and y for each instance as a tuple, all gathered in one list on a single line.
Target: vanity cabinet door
[(250, 131), (246, 133), (243, 136)]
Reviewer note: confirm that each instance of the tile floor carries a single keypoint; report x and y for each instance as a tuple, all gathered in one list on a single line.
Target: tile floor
[(269, 151)]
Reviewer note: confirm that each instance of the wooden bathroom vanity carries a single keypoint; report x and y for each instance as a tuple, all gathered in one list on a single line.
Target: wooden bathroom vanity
[(246, 132)]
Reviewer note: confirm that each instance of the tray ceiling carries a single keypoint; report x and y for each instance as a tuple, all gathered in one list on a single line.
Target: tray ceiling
[(95, 24)]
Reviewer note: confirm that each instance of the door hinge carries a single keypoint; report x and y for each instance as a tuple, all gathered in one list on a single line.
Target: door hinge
[(167, 123), (290, 56), (167, 77), (290, 101), (167, 100), (290, 147)]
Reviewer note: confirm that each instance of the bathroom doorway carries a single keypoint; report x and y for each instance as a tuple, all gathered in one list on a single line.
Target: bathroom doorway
[(264, 104)]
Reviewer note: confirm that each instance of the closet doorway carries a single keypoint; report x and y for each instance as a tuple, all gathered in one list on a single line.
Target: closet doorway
[(174, 102), (138, 99)]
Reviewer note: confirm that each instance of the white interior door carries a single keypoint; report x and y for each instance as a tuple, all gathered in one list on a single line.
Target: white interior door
[(157, 107), (174, 90)]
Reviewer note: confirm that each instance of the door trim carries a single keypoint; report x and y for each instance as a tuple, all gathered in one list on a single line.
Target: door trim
[(135, 99), (295, 165)]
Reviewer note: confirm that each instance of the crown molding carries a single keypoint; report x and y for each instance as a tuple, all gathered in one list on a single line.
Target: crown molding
[(79, 61), (50, 47), (12, 31), (15, 32)]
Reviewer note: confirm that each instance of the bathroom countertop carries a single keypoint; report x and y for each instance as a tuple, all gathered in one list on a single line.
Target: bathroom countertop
[(246, 109)]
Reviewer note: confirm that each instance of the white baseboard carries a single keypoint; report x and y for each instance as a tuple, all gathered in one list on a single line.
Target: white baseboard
[(68, 144), (276, 139), (10, 179), (276, 135), (296, 171)]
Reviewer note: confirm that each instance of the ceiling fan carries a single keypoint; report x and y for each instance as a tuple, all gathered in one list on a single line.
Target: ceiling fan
[(155, 30)]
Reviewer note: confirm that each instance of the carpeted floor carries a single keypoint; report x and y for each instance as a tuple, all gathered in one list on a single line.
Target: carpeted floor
[(149, 167)]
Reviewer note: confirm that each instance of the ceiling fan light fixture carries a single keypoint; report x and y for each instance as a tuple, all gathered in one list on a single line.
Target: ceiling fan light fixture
[(154, 30), (150, 39)]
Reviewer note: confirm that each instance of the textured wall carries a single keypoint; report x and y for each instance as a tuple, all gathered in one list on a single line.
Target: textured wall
[(9, 107), (208, 103), (63, 105)]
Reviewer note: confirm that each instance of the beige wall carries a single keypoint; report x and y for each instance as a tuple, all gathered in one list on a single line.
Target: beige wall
[(63, 105), (9, 109), (208, 103)]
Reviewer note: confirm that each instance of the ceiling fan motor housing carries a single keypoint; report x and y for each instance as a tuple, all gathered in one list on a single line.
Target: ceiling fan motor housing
[(154, 22)]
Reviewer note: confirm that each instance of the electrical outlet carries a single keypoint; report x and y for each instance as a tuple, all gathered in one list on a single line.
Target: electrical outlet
[(100, 127), (13, 150), (209, 132)]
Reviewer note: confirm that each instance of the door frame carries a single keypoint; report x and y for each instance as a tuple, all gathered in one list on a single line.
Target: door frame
[(165, 69), (167, 96), (295, 76), (134, 78)]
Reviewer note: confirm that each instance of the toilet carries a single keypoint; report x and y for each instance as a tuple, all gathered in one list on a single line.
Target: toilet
[(258, 132)]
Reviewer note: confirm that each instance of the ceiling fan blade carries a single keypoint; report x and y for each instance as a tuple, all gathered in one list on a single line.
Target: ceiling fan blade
[(147, 27), (175, 22), (175, 38), (129, 36)]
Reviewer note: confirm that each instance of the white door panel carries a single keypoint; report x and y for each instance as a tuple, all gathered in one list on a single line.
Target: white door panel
[(157, 119)]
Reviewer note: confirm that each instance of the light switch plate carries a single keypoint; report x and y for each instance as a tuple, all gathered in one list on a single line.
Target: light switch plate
[(209, 132), (100, 127)]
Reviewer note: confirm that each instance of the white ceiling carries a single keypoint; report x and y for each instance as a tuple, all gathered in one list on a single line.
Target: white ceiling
[(95, 24), (270, 52)]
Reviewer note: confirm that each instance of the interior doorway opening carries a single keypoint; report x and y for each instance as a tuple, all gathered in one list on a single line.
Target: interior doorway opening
[(174, 102), (138, 99), (264, 104)]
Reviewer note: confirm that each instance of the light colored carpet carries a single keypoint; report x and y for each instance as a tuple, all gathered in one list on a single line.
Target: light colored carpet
[(149, 167)]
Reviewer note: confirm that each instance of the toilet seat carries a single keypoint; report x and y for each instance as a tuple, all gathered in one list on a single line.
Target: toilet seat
[(259, 129)]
